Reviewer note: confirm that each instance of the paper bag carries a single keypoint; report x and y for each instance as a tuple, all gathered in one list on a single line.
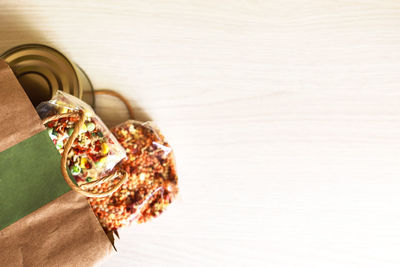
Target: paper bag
[(42, 221)]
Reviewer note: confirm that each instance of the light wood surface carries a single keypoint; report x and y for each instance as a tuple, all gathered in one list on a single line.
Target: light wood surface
[(284, 117)]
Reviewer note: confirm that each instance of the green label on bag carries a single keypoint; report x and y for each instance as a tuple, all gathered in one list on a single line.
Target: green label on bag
[(30, 177)]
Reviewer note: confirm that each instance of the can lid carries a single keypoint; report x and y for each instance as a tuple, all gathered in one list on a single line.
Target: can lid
[(42, 71)]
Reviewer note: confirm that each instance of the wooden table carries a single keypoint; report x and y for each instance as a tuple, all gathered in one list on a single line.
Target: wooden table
[(284, 117)]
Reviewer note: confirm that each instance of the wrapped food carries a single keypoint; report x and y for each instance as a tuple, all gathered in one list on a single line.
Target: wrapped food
[(152, 183), (95, 151)]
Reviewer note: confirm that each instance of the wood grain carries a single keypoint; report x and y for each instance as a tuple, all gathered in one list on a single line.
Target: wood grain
[(284, 117)]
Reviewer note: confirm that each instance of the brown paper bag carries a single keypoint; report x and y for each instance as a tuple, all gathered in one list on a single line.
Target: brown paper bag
[(62, 232), (18, 118)]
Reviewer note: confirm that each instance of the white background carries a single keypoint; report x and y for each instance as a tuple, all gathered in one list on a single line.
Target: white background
[(284, 117)]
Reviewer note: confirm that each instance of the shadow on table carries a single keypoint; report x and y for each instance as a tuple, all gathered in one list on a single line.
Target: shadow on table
[(16, 30), (113, 112), (140, 114)]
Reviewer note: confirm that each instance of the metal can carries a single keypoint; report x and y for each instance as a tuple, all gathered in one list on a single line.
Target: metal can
[(42, 70)]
